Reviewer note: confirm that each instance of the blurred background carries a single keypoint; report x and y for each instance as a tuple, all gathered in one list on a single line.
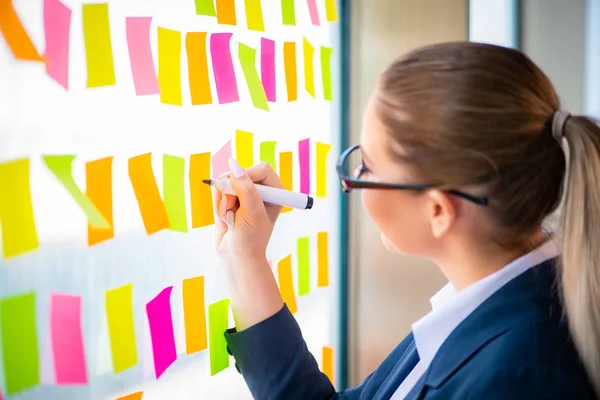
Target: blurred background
[(387, 292)]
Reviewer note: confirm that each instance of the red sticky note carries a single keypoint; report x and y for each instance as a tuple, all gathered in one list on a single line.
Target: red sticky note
[(140, 55), (161, 331), (57, 28)]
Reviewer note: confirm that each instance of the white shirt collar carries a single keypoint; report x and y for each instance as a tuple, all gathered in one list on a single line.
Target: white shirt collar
[(450, 308)]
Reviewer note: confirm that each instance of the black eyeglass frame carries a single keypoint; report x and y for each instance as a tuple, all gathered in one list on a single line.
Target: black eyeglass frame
[(350, 183)]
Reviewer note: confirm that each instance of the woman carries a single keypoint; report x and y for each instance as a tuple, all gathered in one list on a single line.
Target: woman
[(471, 137)]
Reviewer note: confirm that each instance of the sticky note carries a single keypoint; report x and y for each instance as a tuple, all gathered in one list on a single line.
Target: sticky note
[(286, 283), (285, 173), (67, 340), (291, 74), (314, 13), (331, 10), (220, 160), (267, 154), (205, 7), (98, 189), (19, 234), (327, 362), (267, 68), (247, 57), (222, 62), (57, 29), (195, 44), (174, 192), (322, 152), (303, 249), (61, 167), (288, 12), (194, 314), (200, 194), (326, 72), (133, 396), (244, 148), (169, 66), (98, 45), (121, 329), (146, 191), (254, 17), (19, 343), (323, 259), (15, 34), (304, 158), (137, 30), (218, 320), (161, 331), (226, 12), (309, 72)]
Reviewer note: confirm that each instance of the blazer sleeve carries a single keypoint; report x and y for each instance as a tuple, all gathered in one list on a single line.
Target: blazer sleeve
[(276, 364)]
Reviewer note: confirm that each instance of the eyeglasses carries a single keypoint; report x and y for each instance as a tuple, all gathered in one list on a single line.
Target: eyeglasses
[(351, 167)]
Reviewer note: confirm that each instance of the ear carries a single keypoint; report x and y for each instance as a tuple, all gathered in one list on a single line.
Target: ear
[(441, 211)]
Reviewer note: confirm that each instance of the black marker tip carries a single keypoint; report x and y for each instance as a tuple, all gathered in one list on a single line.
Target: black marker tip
[(207, 181)]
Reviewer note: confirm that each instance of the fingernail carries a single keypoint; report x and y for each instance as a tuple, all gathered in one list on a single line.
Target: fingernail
[(236, 168), (224, 174), (223, 207), (230, 224)]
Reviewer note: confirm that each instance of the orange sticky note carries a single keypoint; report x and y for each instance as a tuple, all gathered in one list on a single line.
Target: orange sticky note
[(285, 173), (291, 75), (200, 194), (19, 234), (327, 362), (146, 191), (195, 44), (133, 396), (98, 181), (15, 35), (244, 148), (323, 259), (286, 283), (194, 314), (226, 12)]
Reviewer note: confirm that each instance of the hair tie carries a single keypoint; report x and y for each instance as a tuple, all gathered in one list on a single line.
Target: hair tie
[(559, 119)]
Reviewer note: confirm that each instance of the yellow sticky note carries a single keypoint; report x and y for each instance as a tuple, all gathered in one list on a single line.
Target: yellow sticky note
[(327, 362), (286, 283), (194, 314), (169, 66), (285, 173), (254, 17), (98, 45), (309, 71), (121, 328), (331, 10), (322, 152), (200, 194), (19, 234), (322, 259), (244, 148), (61, 167)]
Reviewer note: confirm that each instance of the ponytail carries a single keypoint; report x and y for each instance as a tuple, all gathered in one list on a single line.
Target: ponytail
[(580, 276)]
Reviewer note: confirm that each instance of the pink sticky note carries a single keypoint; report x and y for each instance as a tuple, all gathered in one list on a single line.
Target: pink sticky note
[(304, 157), (57, 27), (314, 13), (223, 68), (140, 55), (267, 67), (67, 339), (161, 331), (220, 161)]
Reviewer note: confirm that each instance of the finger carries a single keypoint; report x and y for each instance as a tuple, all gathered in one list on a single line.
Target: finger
[(250, 200), (232, 202), (230, 220), (264, 174), (220, 225)]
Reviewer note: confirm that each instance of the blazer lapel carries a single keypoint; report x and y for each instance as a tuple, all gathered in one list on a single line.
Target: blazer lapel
[(404, 366)]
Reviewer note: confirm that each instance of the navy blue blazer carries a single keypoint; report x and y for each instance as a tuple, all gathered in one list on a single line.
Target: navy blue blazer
[(516, 345)]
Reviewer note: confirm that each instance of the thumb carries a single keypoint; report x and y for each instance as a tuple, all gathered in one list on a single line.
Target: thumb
[(250, 200)]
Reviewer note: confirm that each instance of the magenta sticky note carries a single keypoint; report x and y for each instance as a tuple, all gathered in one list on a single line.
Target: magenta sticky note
[(314, 13), (161, 331), (267, 68), (57, 28), (220, 160), (304, 157), (140, 55), (223, 68), (67, 340)]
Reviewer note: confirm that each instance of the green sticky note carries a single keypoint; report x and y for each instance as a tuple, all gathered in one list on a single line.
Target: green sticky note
[(247, 56), (303, 266), (217, 325), (61, 167), (121, 328), (288, 12), (205, 7), (174, 192), (19, 343), (326, 72), (267, 153)]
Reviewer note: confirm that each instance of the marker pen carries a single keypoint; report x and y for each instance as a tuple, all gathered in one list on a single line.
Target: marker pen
[(269, 194)]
